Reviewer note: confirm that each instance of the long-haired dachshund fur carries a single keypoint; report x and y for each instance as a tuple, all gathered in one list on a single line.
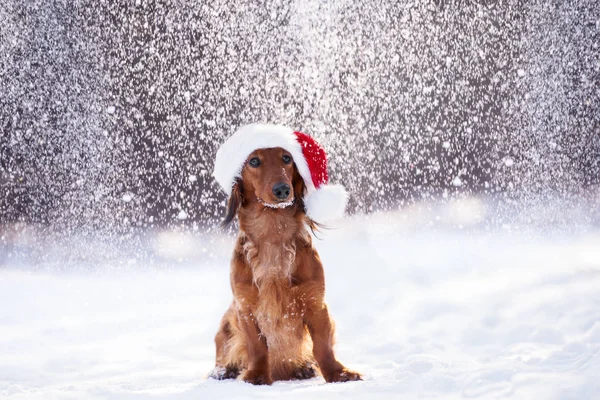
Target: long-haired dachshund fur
[(278, 326)]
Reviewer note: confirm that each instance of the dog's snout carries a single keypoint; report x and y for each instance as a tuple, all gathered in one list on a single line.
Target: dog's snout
[(281, 190)]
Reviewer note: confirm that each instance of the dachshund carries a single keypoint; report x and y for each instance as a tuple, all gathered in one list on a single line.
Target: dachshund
[(278, 326)]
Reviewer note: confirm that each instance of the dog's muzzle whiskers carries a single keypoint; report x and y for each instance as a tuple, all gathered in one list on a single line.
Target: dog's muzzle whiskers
[(284, 204)]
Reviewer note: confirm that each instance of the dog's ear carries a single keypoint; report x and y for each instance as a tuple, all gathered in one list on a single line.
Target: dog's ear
[(299, 189), (235, 201), (299, 192)]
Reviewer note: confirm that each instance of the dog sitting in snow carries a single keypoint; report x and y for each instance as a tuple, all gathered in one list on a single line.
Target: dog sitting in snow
[(278, 327)]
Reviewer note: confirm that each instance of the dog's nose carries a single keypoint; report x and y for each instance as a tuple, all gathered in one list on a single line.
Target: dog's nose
[(281, 190)]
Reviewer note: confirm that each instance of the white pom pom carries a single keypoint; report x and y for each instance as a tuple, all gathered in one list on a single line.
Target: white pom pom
[(326, 203)]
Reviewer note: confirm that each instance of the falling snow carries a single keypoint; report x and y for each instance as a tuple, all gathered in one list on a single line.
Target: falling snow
[(99, 100)]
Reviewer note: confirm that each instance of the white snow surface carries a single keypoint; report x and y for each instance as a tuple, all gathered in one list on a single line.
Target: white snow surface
[(439, 315)]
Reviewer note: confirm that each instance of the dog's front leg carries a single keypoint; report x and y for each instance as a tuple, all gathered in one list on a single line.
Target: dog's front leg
[(258, 355), (321, 331), (245, 295)]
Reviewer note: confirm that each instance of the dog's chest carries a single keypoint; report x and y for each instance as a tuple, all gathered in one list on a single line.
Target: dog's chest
[(279, 314), (270, 261)]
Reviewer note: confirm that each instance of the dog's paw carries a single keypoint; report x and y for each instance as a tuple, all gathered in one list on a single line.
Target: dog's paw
[(342, 375), (307, 371), (222, 373), (257, 377)]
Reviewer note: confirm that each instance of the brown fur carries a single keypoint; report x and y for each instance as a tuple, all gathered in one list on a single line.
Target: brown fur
[(278, 327)]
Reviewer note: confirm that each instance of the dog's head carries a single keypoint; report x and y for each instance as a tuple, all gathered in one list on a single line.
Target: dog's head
[(270, 179)]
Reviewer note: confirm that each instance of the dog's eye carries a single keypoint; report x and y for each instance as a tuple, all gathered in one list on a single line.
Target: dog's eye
[(254, 162), (287, 159)]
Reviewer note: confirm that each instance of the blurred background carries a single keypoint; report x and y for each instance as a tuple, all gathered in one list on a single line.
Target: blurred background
[(111, 112), (466, 132)]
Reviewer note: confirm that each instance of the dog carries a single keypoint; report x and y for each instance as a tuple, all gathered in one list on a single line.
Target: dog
[(278, 326)]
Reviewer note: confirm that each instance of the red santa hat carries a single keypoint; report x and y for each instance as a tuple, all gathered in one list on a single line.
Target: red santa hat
[(323, 201)]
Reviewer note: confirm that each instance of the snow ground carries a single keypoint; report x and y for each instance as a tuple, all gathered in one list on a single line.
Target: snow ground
[(452, 314)]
